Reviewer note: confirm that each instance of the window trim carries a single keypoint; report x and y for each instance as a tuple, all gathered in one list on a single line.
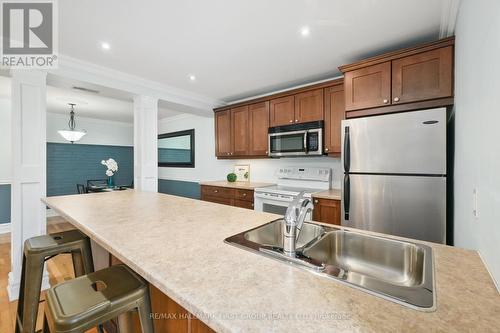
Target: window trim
[(191, 164)]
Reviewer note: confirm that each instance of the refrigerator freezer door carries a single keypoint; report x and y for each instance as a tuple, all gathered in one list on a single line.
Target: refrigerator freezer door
[(407, 206), (403, 143)]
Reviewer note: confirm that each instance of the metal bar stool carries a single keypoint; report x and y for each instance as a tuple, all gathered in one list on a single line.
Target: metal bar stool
[(90, 300), (37, 250)]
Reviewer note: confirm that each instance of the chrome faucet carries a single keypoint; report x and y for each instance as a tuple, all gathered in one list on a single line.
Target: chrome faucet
[(294, 219)]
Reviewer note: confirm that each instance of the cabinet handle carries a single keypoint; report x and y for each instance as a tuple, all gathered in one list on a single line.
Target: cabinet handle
[(326, 149), (296, 120), (316, 201), (244, 194), (216, 191), (396, 99), (291, 121), (385, 101)]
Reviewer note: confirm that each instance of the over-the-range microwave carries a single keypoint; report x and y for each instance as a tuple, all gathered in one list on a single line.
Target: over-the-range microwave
[(304, 139)]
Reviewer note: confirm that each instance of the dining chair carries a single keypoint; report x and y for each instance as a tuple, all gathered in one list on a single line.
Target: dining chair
[(97, 182), (80, 189)]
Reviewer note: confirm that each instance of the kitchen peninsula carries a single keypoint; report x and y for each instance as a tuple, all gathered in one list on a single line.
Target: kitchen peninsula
[(177, 244)]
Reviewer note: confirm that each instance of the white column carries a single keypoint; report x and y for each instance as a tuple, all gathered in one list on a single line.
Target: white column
[(146, 143), (28, 165)]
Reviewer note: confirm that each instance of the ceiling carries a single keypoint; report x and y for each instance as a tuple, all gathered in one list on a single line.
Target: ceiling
[(240, 48), (107, 104)]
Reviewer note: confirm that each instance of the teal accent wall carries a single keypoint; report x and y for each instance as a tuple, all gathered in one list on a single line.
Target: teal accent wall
[(70, 164), (180, 188), (4, 203)]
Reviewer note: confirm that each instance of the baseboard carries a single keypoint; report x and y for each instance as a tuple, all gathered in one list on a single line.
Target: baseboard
[(495, 282), (51, 213), (4, 228), (14, 285)]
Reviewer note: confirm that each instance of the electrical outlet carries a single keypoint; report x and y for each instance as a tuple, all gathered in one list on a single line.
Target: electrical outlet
[(475, 207)]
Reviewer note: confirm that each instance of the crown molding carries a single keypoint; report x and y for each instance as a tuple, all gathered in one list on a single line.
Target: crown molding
[(449, 13), (81, 70)]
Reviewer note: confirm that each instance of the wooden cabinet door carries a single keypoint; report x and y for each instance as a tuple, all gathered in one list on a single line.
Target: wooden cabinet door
[(223, 144), (282, 111), (239, 131), (258, 125), (423, 76), (334, 114), (326, 211), (309, 106), (243, 204), (368, 87)]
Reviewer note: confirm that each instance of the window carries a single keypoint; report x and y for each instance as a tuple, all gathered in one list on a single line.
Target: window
[(176, 149)]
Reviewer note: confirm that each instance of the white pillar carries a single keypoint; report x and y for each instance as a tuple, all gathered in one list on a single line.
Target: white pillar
[(146, 143), (29, 113)]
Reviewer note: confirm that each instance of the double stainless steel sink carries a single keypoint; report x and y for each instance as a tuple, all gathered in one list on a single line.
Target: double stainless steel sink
[(399, 271)]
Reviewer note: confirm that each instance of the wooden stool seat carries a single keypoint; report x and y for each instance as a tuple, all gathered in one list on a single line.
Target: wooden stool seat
[(90, 300)]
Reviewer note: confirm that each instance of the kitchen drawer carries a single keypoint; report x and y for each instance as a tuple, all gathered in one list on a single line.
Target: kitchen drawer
[(243, 204), (216, 191), (246, 195), (219, 200)]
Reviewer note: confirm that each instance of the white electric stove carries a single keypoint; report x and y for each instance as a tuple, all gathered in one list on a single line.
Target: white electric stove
[(291, 181)]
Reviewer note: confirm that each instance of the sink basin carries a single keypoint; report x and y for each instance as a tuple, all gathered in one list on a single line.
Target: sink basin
[(379, 258), (270, 234), (398, 271)]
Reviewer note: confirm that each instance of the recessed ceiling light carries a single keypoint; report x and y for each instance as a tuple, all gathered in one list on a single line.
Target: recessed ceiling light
[(105, 46), (192, 77), (305, 31)]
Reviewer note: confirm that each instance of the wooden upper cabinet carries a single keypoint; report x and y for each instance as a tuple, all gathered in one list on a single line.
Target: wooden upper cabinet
[(423, 76), (309, 106), (258, 125), (414, 78), (334, 114), (223, 133), (240, 131), (282, 111), (368, 87)]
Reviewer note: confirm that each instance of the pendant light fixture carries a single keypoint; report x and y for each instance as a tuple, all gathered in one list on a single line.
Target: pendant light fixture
[(72, 134)]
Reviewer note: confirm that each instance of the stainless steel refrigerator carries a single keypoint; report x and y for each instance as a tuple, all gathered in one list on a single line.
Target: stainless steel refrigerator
[(395, 174)]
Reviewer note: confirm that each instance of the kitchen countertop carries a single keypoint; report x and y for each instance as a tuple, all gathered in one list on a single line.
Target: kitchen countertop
[(334, 194), (238, 185), (177, 244)]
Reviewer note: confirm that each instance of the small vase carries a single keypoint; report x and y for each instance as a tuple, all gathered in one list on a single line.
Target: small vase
[(111, 182)]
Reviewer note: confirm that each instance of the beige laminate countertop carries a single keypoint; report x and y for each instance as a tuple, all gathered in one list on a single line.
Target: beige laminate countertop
[(334, 194), (177, 244), (238, 185)]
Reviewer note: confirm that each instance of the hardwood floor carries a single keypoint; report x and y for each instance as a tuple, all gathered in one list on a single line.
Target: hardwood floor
[(60, 269)]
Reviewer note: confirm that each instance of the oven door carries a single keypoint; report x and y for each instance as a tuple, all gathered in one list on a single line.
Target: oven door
[(274, 203), (288, 143)]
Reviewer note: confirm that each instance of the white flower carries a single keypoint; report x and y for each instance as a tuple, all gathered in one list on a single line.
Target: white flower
[(111, 165)]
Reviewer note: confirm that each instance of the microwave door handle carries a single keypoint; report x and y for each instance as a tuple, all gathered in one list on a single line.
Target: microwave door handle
[(305, 141)]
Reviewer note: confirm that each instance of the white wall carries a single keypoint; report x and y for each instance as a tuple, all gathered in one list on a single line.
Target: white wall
[(99, 132), (477, 134), (5, 139), (207, 167)]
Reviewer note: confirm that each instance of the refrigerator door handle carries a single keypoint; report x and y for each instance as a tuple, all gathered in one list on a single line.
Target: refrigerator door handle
[(347, 150), (347, 196)]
